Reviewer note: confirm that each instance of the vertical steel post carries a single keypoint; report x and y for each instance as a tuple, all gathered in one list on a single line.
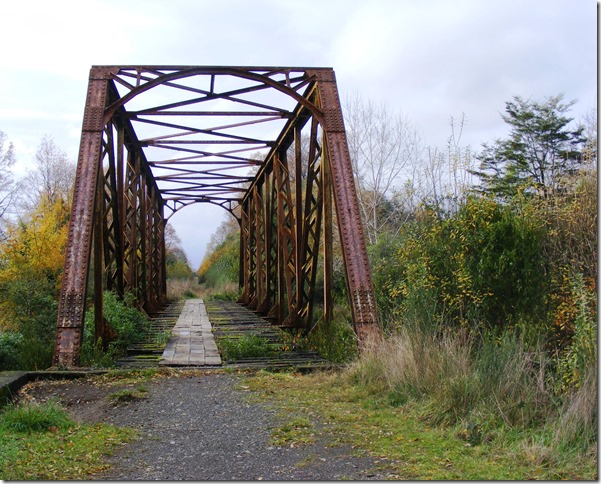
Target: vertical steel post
[(77, 254), (116, 207), (328, 268), (163, 258), (352, 237), (244, 253), (98, 251), (298, 211)]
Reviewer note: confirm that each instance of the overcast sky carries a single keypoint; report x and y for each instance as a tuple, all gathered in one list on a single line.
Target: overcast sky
[(426, 59)]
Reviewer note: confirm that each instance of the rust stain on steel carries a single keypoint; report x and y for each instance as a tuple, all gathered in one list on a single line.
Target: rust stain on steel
[(141, 161)]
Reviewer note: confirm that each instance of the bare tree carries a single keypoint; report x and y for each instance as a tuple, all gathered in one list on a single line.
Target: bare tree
[(444, 178), (384, 148), (52, 178), (7, 185), (589, 152), (172, 240)]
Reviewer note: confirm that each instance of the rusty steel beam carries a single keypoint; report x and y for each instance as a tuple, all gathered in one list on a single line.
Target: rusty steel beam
[(141, 160), (77, 254), (352, 237)]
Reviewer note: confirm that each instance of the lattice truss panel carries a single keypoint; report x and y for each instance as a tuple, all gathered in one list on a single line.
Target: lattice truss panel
[(266, 144)]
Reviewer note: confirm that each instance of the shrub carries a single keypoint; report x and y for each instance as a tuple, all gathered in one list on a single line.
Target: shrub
[(10, 344), (481, 267), (245, 347), (576, 317), (130, 325), (387, 271), (30, 304), (336, 341), (221, 267), (94, 354)]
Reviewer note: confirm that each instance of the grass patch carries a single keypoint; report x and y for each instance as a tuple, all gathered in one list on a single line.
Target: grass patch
[(408, 445), (129, 395), (182, 289), (130, 377), (225, 293), (295, 432), (40, 442), (162, 337), (250, 346), (30, 417), (336, 341)]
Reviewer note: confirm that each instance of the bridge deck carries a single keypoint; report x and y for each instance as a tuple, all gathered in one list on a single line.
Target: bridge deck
[(196, 326), (192, 342)]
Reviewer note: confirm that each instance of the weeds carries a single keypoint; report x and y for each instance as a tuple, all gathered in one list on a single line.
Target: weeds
[(577, 426), (162, 337), (182, 289), (489, 388), (490, 382), (245, 347), (298, 431), (41, 442), (31, 417), (409, 446), (128, 395)]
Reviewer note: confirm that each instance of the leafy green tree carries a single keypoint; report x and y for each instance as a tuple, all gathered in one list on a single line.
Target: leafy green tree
[(32, 254), (220, 266), (540, 151), (31, 263), (480, 268), (177, 264)]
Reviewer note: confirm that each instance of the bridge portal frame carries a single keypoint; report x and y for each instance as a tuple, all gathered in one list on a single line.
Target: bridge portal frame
[(285, 210)]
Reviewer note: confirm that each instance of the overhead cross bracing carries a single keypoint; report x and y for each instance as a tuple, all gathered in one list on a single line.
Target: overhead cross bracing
[(266, 144)]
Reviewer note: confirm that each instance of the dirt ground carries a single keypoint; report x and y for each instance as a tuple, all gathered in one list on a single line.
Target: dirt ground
[(85, 401), (198, 427)]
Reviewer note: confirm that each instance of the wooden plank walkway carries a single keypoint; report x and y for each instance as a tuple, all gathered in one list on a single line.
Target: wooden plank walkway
[(196, 326), (148, 352), (192, 342), (232, 321)]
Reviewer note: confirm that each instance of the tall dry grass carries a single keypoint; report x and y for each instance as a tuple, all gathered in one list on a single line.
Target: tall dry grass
[(494, 383), (493, 386), (182, 289), (578, 423)]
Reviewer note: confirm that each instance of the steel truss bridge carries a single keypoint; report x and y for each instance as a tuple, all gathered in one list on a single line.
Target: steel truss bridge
[(267, 144)]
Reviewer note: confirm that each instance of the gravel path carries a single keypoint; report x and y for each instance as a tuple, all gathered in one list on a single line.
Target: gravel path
[(203, 428)]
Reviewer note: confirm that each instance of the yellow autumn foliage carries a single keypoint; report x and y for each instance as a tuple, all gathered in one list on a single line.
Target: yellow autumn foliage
[(34, 248)]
